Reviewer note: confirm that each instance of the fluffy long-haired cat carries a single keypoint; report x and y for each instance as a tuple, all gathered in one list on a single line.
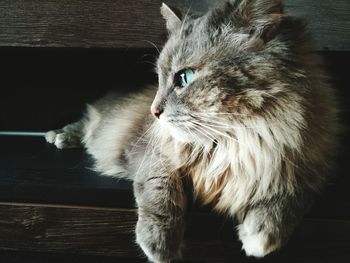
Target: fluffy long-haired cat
[(242, 110)]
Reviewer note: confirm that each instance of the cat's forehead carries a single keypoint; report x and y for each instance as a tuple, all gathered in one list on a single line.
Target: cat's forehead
[(199, 41), (182, 45)]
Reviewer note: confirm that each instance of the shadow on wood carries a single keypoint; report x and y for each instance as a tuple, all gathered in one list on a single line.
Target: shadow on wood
[(110, 232)]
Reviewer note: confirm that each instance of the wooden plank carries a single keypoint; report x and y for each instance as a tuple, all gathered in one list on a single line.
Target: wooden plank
[(137, 23), (8, 256), (70, 229), (328, 21), (110, 232), (80, 23), (32, 171)]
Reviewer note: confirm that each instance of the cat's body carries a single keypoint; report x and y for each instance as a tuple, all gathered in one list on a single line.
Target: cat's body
[(243, 110)]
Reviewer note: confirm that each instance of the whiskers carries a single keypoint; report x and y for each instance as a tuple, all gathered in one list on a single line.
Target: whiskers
[(154, 151), (230, 120), (207, 135), (152, 44), (218, 126)]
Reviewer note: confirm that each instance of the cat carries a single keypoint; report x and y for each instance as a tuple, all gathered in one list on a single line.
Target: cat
[(243, 115)]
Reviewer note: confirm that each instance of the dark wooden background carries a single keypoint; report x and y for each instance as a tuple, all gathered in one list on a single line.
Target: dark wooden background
[(57, 55), (134, 24)]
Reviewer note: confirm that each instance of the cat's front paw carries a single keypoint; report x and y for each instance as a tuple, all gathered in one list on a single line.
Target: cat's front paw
[(160, 243), (61, 139), (55, 137), (257, 243), (50, 136)]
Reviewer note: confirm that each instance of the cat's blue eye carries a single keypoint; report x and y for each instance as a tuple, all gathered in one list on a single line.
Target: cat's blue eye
[(184, 77)]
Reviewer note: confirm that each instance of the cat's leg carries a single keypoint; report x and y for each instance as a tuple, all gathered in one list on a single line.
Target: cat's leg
[(161, 201), (267, 225), (70, 136)]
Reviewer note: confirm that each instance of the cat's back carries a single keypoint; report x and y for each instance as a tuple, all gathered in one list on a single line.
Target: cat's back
[(112, 124)]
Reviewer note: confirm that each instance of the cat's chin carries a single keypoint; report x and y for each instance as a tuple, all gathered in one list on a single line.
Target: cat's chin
[(176, 133), (180, 136), (184, 138)]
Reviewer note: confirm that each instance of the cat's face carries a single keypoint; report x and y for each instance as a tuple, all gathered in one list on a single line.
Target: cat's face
[(229, 65)]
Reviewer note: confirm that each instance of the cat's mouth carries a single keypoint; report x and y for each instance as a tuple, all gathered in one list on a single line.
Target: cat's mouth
[(176, 129)]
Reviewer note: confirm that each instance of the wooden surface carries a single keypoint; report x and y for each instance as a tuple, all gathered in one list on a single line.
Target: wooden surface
[(110, 232), (80, 23), (137, 23), (328, 21), (10, 256), (33, 171)]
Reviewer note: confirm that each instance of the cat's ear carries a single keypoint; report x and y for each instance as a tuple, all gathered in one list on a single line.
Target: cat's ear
[(261, 17), (173, 21)]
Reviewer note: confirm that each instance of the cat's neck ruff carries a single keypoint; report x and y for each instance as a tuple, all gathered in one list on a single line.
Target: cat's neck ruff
[(225, 171)]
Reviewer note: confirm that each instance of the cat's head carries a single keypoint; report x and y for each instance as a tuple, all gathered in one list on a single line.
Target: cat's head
[(236, 62)]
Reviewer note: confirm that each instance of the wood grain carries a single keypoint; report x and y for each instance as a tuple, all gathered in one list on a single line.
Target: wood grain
[(110, 232), (80, 23), (137, 23), (328, 21)]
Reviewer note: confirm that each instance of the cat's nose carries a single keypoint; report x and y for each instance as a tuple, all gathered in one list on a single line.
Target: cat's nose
[(156, 111)]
